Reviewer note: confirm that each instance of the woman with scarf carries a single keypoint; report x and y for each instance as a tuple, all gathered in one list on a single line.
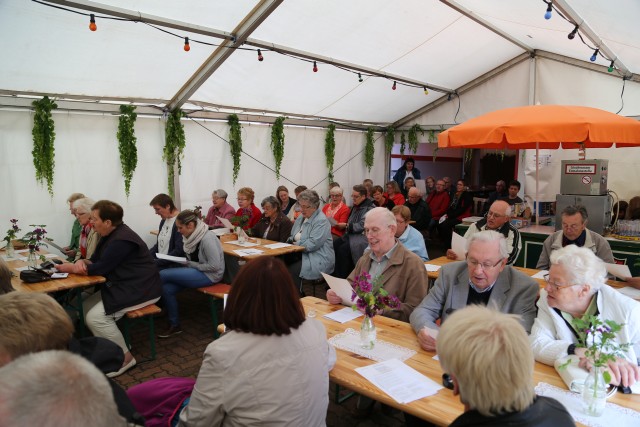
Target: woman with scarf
[(204, 265), (338, 210), (88, 236)]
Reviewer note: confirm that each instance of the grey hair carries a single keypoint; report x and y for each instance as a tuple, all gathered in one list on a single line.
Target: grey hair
[(220, 193), (490, 236), (311, 197), (336, 190), (387, 216), (416, 189), (56, 388), (275, 203), (582, 266), (577, 209), (85, 204), (507, 210)]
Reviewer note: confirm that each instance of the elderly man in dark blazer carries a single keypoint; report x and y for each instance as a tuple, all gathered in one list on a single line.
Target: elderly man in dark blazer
[(484, 278)]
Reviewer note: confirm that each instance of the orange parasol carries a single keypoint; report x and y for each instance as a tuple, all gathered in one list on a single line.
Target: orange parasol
[(543, 126)]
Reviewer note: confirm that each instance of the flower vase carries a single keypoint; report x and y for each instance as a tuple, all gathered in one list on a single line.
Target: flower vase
[(32, 259), (240, 234), (367, 333), (594, 393), (11, 252)]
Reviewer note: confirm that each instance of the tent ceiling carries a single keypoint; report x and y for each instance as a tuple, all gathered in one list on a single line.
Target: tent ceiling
[(47, 50)]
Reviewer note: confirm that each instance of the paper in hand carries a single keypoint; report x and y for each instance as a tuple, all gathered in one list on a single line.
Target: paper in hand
[(341, 287), (225, 222), (458, 245), (619, 270), (176, 259)]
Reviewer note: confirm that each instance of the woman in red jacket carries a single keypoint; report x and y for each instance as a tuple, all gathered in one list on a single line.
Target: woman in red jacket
[(247, 208)]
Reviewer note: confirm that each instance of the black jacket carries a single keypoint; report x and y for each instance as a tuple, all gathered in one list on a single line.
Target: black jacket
[(176, 248), (280, 230), (420, 213)]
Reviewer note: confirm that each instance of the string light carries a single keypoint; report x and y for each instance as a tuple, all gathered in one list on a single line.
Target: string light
[(260, 57), (92, 22), (595, 55), (315, 67), (426, 92), (547, 14), (394, 85), (360, 77), (610, 69), (573, 33), (187, 48)]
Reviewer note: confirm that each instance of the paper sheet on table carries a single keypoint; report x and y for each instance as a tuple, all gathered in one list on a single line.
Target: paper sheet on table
[(277, 245), (225, 222), (332, 221), (178, 259), (401, 382), (26, 267), (458, 245), (51, 256), (432, 268), (244, 244), (59, 275), (220, 231), (540, 274), (21, 251), (248, 252), (629, 291), (340, 287), (619, 270), (343, 315)]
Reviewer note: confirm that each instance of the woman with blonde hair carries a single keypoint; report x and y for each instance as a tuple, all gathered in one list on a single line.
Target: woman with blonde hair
[(337, 212), (247, 209)]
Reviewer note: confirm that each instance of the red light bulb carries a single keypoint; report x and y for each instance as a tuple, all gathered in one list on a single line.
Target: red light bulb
[(92, 22), (315, 67), (187, 48), (394, 86), (260, 57)]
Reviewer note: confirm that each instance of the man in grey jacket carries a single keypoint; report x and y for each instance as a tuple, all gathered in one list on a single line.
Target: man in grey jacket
[(484, 278), (574, 232)]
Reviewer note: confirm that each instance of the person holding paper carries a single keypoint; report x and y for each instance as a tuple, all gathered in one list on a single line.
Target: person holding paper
[(574, 232), (498, 220), (247, 210), (169, 239), (576, 288), (274, 225), (337, 212), (402, 271), (272, 365), (483, 278), (220, 209), (204, 265), (490, 366)]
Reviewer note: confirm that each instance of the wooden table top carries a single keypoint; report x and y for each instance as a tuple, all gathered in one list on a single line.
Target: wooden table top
[(71, 282), (229, 248), (443, 260), (441, 408)]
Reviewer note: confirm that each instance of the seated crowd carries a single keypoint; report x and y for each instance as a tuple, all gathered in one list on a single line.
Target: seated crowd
[(271, 366)]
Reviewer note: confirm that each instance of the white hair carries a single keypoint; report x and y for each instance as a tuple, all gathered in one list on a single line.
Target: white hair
[(336, 190), (581, 265), (56, 388), (85, 204), (490, 236), (387, 216)]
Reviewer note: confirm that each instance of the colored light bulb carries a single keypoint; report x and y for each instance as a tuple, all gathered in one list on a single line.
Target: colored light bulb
[(547, 14), (394, 85), (92, 22), (315, 67), (187, 48), (260, 57)]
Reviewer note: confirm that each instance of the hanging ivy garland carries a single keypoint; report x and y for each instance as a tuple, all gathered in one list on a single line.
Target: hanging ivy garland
[(330, 149), (389, 139), (44, 136), (403, 143), (277, 142), (369, 149), (413, 137), (235, 143), (127, 144), (174, 144)]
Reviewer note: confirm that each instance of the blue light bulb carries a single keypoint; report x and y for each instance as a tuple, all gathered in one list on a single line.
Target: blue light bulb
[(593, 58), (547, 14)]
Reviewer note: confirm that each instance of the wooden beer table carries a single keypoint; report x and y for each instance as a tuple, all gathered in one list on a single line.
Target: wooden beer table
[(441, 408), (229, 248)]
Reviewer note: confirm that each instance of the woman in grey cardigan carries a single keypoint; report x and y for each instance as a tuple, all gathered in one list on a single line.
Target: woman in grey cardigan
[(204, 265), (313, 231)]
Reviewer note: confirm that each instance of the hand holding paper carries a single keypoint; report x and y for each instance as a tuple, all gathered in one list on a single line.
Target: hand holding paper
[(341, 287), (458, 245)]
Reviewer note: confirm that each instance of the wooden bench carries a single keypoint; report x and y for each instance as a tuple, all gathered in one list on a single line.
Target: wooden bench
[(142, 315), (216, 294)]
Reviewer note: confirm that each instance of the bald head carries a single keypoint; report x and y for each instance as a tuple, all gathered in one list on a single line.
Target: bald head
[(499, 213)]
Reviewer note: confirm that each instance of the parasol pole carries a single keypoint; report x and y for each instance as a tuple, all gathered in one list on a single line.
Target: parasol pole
[(537, 203)]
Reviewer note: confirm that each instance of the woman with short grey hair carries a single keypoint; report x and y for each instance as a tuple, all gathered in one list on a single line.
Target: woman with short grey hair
[(273, 224), (220, 209), (576, 288), (88, 240)]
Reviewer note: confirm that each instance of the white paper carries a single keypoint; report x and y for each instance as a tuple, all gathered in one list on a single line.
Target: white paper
[(343, 315), (50, 242), (220, 231), (540, 274), (401, 382), (432, 268), (629, 291), (340, 287), (247, 252), (277, 245), (471, 219), (178, 259), (619, 270), (59, 275), (51, 256), (21, 268), (21, 251), (225, 222), (245, 244), (458, 245), (432, 332)]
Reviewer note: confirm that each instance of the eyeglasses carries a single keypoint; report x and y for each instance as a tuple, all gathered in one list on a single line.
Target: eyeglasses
[(372, 231), (240, 199), (555, 286), (484, 265), (336, 195), (304, 206), (495, 215)]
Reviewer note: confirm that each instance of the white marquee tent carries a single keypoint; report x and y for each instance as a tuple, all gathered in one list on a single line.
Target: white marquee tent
[(471, 56)]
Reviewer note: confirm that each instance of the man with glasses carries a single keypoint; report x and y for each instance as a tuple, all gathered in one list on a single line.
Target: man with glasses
[(497, 220), (420, 211), (484, 279), (574, 232)]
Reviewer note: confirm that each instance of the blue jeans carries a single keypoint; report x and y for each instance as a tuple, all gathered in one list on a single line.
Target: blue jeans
[(173, 281)]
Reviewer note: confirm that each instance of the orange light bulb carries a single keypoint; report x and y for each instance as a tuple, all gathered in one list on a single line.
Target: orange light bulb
[(187, 48), (92, 23)]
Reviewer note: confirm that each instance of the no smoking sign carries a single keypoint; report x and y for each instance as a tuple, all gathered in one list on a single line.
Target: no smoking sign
[(586, 180)]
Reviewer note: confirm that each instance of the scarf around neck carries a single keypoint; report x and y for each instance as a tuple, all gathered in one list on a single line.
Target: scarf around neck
[(190, 243)]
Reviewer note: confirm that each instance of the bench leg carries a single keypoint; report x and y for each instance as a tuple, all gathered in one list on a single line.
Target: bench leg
[(337, 399), (213, 304), (152, 337)]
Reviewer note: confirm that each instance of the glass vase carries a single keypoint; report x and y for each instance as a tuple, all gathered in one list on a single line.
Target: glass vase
[(367, 333), (32, 259), (594, 393), (11, 251)]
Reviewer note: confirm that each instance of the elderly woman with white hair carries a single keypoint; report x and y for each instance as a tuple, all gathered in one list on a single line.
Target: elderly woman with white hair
[(220, 208), (88, 239), (337, 212), (576, 288)]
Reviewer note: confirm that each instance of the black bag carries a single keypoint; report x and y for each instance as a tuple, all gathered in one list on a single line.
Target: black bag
[(34, 276)]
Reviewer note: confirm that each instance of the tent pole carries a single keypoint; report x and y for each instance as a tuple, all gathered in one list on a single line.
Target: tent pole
[(537, 204)]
